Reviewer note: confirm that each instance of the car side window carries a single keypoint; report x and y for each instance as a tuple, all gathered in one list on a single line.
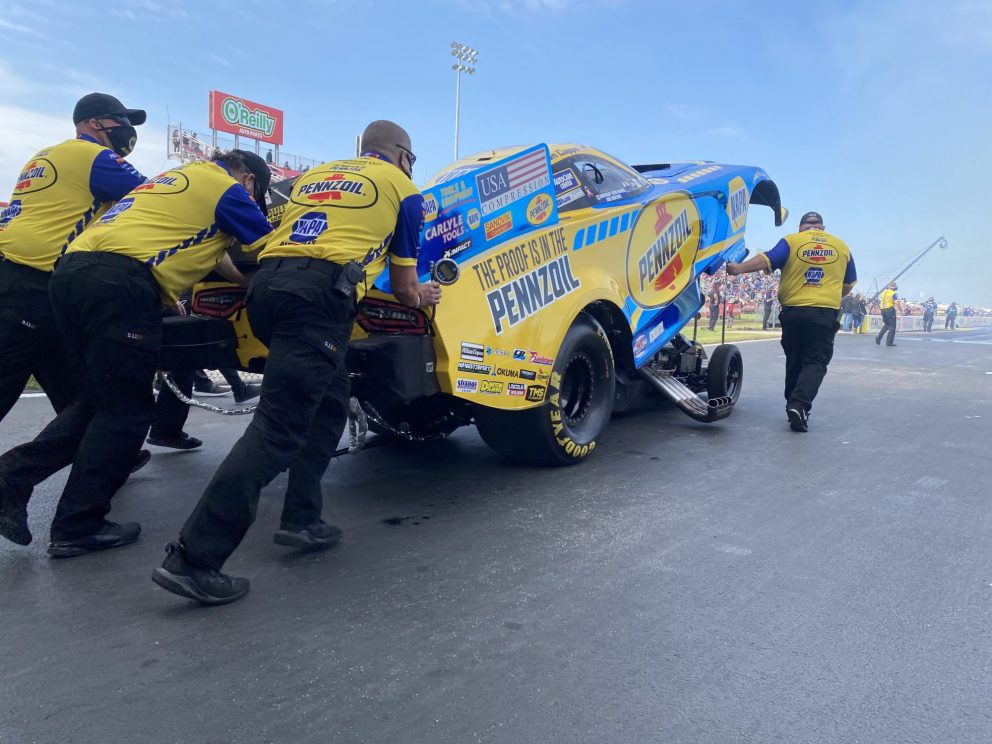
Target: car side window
[(587, 180)]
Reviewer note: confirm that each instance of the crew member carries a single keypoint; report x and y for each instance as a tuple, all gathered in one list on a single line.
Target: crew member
[(58, 193), (108, 293), (715, 297), (929, 311), (817, 271), (887, 304), (343, 217)]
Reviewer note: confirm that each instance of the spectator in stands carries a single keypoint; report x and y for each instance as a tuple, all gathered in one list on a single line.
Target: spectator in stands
[(268, 156)]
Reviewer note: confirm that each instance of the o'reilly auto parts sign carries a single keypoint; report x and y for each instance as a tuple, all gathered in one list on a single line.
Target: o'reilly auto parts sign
[(237, 115)]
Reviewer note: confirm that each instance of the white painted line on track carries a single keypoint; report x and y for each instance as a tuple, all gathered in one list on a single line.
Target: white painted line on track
[(33, 395)]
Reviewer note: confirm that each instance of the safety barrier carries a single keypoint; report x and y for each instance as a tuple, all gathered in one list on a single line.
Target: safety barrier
[(873, 323)]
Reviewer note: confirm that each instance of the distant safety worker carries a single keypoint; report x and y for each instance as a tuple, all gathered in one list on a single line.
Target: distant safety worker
[(887, 303), (108, 292), (343, 219), (929, 311), (817, 271), (952, 316), (58, 193)]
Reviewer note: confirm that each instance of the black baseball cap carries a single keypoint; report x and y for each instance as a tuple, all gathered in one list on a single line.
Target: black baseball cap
[(95, 105), (260, 169), (811, 217)]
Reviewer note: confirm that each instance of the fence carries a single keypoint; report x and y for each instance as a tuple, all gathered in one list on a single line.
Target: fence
[(873, 323), (186, 145)]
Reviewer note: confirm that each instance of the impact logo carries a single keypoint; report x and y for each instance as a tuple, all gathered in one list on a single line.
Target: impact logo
[(308, 227), (737, 203), (37, 175), (657, 273), (119, 208), (814, 277), (170, 182), (341, 190), (10, 212)]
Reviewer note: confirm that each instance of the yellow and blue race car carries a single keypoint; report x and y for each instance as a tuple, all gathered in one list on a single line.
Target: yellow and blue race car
[(570, 278)]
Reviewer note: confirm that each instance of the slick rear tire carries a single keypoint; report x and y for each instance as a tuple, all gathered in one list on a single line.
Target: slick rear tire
[(564, 429), (725, 373)]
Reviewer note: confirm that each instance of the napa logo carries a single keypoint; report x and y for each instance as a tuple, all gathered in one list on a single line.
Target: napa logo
[(308, 227), (335, 189), (737, 203), (430, 207), (9, 212), (539, 209), (661, 250), (170, 182), (814, 277), (118, 209), (235, 112), (37, 175)]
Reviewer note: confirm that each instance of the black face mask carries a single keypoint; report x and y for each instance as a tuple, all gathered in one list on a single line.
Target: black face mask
[(122, 139)]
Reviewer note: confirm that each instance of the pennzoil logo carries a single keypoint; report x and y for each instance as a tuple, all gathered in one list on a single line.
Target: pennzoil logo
[(334, 189), (817, 254), (37, 175), (539, 209), (661, 250), (170, 182), (737, 203)]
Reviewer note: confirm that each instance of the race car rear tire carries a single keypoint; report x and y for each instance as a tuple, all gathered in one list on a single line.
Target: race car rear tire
[(725, 373), (577, 405)]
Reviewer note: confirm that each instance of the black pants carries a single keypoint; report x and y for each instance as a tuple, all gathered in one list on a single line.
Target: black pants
[(927, 322), (109, 311), (170, 412), (949, 322), (808, 341), (30, 343), (888, 325), (714, 314), (766, 317), (301, 413)]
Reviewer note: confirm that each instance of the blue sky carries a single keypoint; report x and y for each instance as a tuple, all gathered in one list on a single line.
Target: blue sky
[(876, 114)]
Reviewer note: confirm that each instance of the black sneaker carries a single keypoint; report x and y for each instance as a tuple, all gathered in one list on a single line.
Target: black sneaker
[(878, 340), (14, 519), (211, 390), (798, 419), (141, 460), (181, 442), (251, 390), (316, 535), (111, 535), (890, 344), (209, 586)]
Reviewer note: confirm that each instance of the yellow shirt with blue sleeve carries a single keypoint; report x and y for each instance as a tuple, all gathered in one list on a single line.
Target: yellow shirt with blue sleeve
[(351, 210), (60, 191), (887, 300), (180, 224), (817, 268)]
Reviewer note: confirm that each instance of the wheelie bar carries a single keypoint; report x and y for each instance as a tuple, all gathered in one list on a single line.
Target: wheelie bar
[(689, 403)]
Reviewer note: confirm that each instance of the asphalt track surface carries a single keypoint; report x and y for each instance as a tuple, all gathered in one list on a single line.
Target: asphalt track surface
[(727, 583)]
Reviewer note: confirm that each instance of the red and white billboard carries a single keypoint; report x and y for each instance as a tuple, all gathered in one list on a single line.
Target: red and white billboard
[(240, 116)]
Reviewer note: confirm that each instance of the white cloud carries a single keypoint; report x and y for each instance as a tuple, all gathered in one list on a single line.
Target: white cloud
[(149, 10)]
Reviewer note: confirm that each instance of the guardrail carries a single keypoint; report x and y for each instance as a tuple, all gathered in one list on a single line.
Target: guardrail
[(873, 323)]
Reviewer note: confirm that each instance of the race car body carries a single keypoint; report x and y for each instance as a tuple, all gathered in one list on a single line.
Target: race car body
[(577, 274)]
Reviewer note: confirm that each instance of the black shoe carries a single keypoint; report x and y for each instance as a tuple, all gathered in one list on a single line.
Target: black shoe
[(141, 460), (209, 586), (14, 519), (890, 344), (182, 441), (878, 340), (111, 535), (316, 535), (211, 390), (251, 390), (798, 419)]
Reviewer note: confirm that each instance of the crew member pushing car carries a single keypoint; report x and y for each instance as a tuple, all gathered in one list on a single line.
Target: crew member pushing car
[(58, 193), (108, 292), (341, 221), (817, 271)]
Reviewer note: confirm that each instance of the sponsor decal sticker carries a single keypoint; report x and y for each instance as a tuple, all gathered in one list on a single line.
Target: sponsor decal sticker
[(814, 277), (539, 209), (430, 207), (737, 203), (817, 254), (565, 181), (506, 372), (10, 212), (655, 333), (448, 230), (534, 291), (335, 189), (515, 388), (519, 355), (474, 219), (536, 392), (473, 352), (513, 180), (498, 352), (536, 358), (568, 197), (640, 344), (122, 206), (528, 374), (454, 193), (474, 369), (458, 249), (308, 227), (499, 225), (491, 387), (661, 250), (170, 182), (466, 386)]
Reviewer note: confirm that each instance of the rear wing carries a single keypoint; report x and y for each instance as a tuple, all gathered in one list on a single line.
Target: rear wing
[(477, 209)]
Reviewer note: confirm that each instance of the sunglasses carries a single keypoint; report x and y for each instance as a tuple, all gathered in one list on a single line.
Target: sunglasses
[(413, 158), (119, 118)]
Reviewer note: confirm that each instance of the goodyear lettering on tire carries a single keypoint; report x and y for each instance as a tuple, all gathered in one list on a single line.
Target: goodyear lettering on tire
[(557, 427)]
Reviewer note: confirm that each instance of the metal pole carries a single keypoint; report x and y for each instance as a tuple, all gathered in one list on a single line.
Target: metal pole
[(939, 241), (458, 93)]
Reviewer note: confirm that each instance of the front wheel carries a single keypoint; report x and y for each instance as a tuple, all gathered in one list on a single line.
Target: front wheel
[(725, 373), (576, 409)]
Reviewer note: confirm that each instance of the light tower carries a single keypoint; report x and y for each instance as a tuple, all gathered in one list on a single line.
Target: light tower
[(467, 58)]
